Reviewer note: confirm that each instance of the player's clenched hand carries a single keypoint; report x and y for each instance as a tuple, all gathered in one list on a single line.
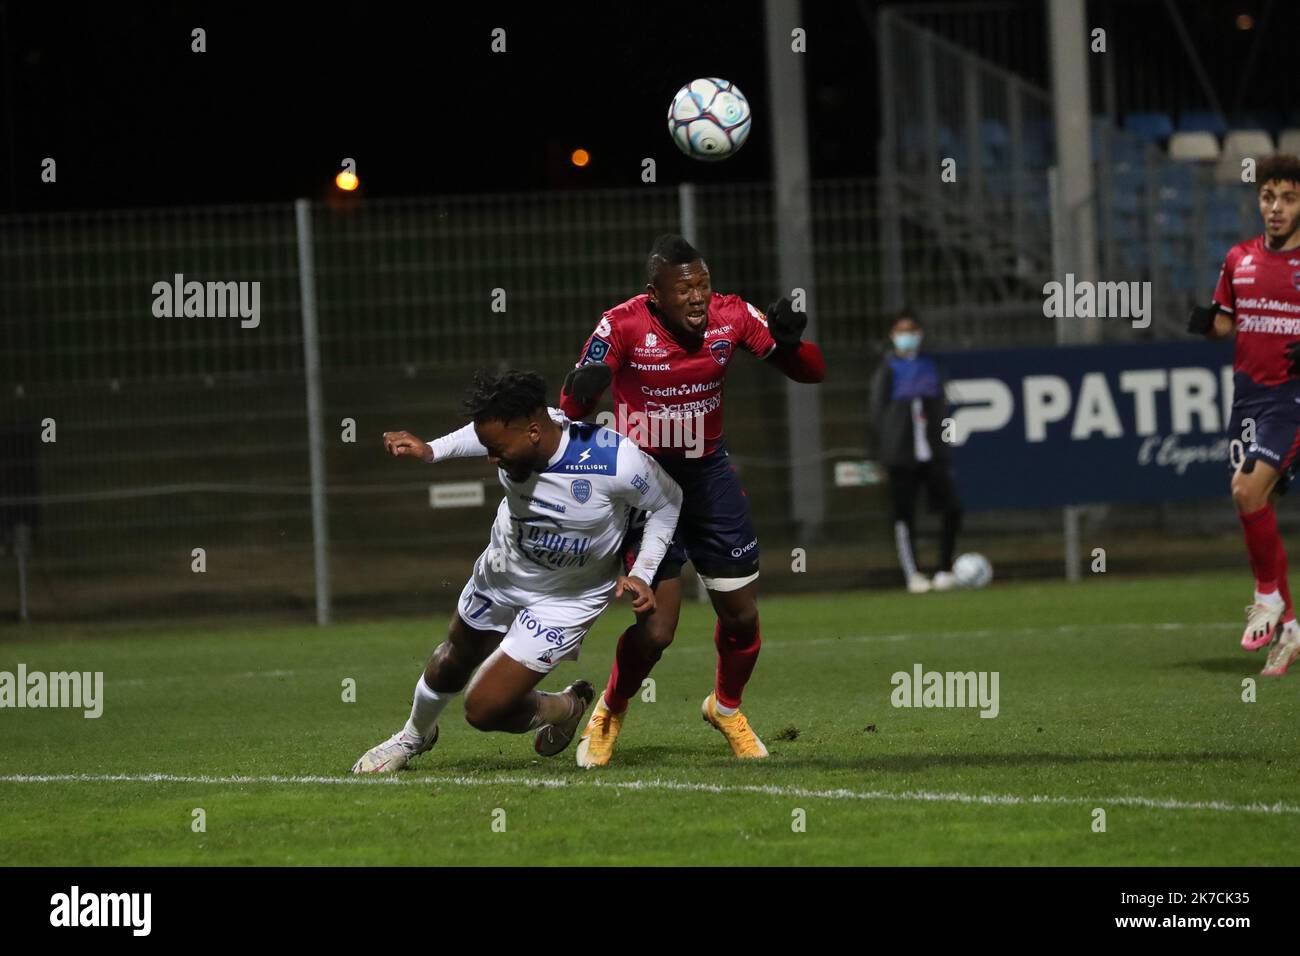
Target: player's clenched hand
[(399, 444), (587, 383), (785, 324), (1201, 319), (643, 598)]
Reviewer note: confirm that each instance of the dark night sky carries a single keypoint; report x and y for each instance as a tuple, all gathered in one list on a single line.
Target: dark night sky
[(413, 92), (133, 117)]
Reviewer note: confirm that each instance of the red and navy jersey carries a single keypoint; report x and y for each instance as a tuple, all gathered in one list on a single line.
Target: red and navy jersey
[(1260, 288), (657, 377)]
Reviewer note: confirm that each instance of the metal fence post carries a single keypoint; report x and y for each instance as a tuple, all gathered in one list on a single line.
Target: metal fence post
[(315, 409)]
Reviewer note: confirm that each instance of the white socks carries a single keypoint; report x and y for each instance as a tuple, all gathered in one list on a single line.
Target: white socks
[(1272, 597), (425, 710), (724, 711)]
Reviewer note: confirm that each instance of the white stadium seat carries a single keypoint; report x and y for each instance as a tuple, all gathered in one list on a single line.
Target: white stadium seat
[(1193, 147), (1238, 145)]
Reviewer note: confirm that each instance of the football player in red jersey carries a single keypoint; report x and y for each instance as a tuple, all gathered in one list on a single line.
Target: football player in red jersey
[(1258, 301), (666, 353)]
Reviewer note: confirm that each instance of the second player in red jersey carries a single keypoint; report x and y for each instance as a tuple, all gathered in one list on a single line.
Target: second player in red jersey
[(1257, 301)]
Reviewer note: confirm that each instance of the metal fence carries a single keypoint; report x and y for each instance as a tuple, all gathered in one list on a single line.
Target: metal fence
[(130, 439)]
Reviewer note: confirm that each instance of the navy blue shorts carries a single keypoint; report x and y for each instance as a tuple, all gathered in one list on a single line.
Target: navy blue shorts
[(1275, 411), (715, 531)]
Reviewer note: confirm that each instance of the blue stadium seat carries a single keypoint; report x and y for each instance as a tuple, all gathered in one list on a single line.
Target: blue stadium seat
[(1151, 127), (1132, 254), (1128, 185), (995, 142), (994, 133), (1125, 227), (1176, 187), (1216, 249), (1223, 214), (1169, 224), (913, 136), (1183, 278), (1125, 147), (1038, 137), (1201, 121)]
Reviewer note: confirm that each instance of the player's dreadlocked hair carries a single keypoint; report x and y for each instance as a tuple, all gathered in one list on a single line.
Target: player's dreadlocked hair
[(668, 250), (506, 398), (1280, 167)]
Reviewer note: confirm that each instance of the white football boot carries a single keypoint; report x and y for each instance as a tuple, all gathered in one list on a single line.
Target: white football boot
[(394, 753), (1284, 650), (918, 584), (1262, 619)]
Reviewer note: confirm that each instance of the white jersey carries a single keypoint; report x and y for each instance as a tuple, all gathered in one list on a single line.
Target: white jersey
[(561, 529)]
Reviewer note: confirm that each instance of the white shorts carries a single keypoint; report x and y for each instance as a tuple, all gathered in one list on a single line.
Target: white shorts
[(540, 629)]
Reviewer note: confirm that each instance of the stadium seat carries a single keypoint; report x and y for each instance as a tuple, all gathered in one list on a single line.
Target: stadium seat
[(1201, 121), (914, 138), (1182, 278), (1150, 127), (1289, 142), (1132, 254), (1193, 147), (1128, 183), (1223, 215), (1037, 137), (1170, 224), (1176, 187), (1239, 145), (1125, 228), (995, 143), (1125, 147)]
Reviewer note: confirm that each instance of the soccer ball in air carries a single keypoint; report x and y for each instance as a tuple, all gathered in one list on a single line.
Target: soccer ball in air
[(972, 570), (709, 119)]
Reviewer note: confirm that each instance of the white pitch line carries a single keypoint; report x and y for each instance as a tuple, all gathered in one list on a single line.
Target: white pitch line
[(905, 796)]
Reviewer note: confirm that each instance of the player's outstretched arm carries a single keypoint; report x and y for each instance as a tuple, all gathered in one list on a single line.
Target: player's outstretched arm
[(406, 445), (462, 443), (805, 364), (643, 484)]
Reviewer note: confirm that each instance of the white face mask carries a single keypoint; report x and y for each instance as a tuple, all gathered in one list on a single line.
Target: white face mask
[(907, 341)]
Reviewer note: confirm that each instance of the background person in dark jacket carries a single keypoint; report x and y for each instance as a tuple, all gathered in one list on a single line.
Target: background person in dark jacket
[(907, 409)]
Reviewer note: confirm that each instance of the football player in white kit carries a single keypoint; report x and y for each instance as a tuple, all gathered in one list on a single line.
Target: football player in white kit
[(552, 565)]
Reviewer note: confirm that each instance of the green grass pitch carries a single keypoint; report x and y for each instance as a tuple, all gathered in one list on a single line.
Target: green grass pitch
[(1119, 695)]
